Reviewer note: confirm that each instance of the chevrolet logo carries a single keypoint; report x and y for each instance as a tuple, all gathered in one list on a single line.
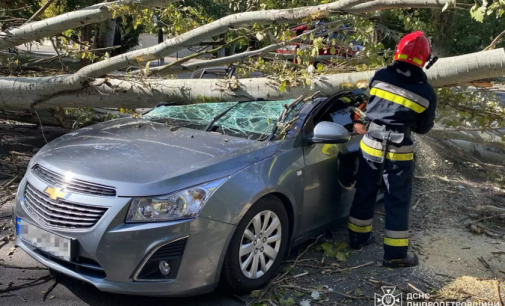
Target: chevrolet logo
[(56, 193)]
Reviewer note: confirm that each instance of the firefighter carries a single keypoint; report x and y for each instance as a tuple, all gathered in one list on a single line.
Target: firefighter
[(401, 102)]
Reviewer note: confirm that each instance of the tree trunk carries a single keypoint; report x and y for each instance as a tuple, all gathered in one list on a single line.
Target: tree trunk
[(86, 37), (488, 137), (105, 34), (55, 25), (50, 92)]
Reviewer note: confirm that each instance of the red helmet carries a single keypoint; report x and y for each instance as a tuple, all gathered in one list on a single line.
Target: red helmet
[(414, 48)]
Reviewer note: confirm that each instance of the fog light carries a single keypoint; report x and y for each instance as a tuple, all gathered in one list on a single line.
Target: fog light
[(164, 267)]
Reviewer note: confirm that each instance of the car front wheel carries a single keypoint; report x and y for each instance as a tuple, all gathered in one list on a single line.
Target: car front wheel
[(257, 247)]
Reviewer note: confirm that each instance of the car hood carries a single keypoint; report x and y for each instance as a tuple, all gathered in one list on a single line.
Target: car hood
[(144, 158)]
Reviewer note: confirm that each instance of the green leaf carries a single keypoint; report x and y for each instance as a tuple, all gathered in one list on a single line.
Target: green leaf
[(255, 294), (282, 88), (477, 13), (290, 301), (342, 246), (341, 256), (327, 246), (333, 51), (300, 294)]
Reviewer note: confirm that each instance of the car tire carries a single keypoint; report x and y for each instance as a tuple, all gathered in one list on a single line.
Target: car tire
[(233, 277)]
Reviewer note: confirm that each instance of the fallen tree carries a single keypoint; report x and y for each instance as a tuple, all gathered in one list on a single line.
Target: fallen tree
[(49, 92), (100, 85)]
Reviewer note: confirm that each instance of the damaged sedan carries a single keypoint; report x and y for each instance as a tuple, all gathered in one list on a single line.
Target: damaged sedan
[(187, 197)]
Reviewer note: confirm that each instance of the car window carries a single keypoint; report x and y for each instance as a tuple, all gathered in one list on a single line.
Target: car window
[(252, 120), (335, 111), (214, 75)]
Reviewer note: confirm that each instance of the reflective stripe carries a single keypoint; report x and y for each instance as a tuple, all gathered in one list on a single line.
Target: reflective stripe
[(405, 56), (374, 144), (402, 56), (397, 99), (359, 229), (396, 242), (396, 234), (417, 61), (390, 155), (402, 92), (346, 99), (360, 222)]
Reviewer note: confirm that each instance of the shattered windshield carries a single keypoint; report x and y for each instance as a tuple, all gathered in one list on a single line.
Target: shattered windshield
[(252, 120)]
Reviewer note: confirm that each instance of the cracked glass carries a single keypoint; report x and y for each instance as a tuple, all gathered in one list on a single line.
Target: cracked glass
[(253, 120)]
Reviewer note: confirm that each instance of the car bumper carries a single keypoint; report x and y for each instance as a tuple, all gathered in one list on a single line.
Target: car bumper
[(114, 252)]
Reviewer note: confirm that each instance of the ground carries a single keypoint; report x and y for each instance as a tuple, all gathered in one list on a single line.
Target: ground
[(458, 262)]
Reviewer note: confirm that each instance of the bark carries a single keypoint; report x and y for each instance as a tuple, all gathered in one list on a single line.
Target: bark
[(106, 31), (233, 58), (47, 119), (197, 35), (488, 137), (86, 37), (50, 92), (223, 25), (379, 5), (482, 153), (55, 25)]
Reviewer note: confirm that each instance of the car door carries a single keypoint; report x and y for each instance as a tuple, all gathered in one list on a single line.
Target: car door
[(327, 168)]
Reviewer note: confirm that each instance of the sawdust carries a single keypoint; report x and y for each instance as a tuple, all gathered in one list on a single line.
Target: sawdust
[(473, 289)]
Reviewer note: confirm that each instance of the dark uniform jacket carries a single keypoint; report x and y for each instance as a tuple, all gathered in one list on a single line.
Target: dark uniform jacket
[(400, 96)]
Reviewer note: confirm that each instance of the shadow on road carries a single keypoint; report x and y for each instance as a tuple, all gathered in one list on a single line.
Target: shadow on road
[(93, 297)]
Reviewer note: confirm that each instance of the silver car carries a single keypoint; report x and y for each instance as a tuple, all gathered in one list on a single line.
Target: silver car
[(187, 197)]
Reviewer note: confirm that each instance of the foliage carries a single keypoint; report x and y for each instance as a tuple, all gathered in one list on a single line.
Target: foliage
[(467, 107), (462, 27), (338, 251)]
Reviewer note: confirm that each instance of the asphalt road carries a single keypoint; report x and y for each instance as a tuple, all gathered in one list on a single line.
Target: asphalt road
[(73, 292)]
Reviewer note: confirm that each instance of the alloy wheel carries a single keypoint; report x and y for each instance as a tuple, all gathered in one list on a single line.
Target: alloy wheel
[(260, 244)]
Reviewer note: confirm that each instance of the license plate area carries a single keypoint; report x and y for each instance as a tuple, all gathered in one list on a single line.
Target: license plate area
[(56, 245)]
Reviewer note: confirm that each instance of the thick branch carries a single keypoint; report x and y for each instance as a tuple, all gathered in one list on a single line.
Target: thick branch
[(55, 25), (176, 69), (379, 5), (165, 69), (40, 11), (222, 25), (22, 92), (495, 41), (212, 29)]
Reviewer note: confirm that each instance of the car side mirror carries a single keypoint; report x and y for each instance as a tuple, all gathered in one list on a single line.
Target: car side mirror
[(330, 132)]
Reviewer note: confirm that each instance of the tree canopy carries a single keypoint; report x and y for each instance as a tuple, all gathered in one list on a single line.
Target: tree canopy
[(251, 31)]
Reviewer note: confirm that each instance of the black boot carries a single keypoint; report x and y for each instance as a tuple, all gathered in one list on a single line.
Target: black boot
[(409, 261), (358, 246)]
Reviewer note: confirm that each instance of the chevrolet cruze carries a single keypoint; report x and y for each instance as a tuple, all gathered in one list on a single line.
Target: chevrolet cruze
[(187, 197)]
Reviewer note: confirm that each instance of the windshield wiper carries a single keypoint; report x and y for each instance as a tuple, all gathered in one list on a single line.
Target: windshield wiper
[(221, 115)]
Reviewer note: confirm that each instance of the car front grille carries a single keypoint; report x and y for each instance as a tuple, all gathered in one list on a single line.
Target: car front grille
[(79, 186), (58, 213)]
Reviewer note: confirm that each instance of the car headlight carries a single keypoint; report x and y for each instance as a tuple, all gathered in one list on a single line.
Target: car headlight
[(182, 204)]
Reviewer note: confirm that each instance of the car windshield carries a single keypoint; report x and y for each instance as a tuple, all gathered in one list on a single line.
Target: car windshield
[(252, 120)]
